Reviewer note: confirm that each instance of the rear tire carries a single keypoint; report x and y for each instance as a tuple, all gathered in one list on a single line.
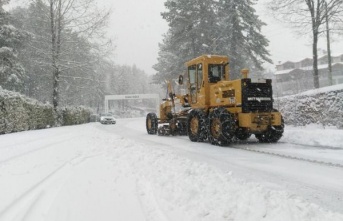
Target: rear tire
[(182, 128), (242, 134), (151, 123), (273, 134), (221, 127)]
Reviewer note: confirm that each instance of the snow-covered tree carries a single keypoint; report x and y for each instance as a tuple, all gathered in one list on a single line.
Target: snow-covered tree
[(228, 27), (80, 16), (12, 73), (63, 58), (170, 62), (36, 58), (191, 25), (65, 48), (239, 35)]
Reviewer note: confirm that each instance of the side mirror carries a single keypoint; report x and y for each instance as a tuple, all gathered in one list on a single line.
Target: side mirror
[(180, 80)]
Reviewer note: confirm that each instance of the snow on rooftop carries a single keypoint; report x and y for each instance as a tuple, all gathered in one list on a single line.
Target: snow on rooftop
[(307, 68)]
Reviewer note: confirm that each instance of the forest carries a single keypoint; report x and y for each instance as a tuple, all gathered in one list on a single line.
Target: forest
[(59, 52)]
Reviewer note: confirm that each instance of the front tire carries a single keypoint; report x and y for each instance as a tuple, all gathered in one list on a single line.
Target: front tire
[(196, 126), (151, 123)]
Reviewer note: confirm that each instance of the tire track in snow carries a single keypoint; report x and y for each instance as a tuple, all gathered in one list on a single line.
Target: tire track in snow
[(308, 145), (22, 154), (28, 199), (31, 140), (238, 145), (290, 157), (7, 210)]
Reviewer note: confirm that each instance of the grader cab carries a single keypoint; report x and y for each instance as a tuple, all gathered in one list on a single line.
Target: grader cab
[(218, 109)]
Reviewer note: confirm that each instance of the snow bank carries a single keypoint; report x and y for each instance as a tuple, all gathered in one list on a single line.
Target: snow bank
[(315, 135), (75, 115), (20, 113), (320, 106)]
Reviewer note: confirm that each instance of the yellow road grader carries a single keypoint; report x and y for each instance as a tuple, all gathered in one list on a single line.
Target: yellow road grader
[(211, 107)]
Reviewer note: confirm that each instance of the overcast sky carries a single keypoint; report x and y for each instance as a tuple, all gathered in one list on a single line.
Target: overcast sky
[(138, 28)]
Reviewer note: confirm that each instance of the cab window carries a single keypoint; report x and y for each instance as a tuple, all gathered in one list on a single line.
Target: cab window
[(216, 72), (199, 71), (192, 76), (192, 82)]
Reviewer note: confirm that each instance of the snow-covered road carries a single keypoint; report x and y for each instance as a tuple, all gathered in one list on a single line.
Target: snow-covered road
[(119, 172)]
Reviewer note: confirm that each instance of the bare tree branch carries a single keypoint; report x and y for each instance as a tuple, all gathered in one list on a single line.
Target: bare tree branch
[(308, 15)]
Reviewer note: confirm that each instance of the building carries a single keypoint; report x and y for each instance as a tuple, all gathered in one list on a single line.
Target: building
[(296, 77)]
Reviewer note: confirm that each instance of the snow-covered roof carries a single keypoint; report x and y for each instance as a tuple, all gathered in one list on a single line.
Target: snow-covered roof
[(305, 59), (308, 68)]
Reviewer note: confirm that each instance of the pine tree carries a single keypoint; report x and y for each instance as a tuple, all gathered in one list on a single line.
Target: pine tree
[(170, 64), (228, 27), (243, 41), (190, 34), (12, 72)]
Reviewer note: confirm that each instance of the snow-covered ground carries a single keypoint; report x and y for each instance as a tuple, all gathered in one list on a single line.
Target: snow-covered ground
[(119, 172)]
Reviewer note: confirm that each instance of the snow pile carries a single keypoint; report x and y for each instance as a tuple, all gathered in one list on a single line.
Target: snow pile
[(332, 138), (5, 52), (187, 190), (75, 115), (20, 113), (320, 106)]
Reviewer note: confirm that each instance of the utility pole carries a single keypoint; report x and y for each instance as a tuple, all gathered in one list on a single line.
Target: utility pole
[(328, 44)]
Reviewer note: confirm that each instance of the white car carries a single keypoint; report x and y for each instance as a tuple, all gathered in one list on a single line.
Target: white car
[(107, 119)]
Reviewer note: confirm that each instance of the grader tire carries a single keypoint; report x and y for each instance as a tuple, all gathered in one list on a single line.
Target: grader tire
[(151, 123), (273, 134), (221, 127), (242, 134), (196, 126)]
